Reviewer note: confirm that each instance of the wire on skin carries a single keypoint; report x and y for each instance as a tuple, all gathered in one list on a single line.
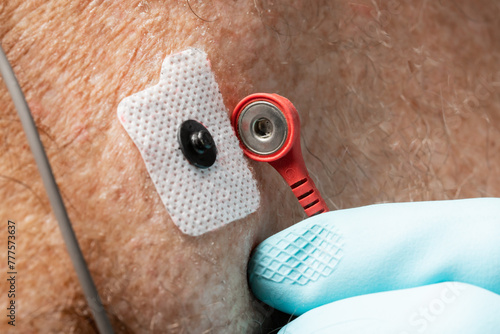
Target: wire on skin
[(75, 253)]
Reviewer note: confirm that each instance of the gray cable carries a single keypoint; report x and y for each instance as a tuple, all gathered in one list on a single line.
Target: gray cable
[(54, 195)]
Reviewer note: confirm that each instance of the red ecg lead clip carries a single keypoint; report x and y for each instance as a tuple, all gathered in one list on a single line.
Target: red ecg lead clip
[(268, 128)]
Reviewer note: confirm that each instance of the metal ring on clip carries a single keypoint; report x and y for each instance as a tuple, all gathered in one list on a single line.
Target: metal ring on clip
[(262, 127)]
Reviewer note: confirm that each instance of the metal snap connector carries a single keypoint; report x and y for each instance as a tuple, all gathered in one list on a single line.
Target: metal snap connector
[(197, 144), (262, 127)]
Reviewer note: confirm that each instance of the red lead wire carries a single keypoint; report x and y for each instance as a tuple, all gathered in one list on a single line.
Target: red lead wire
[(286, 155)]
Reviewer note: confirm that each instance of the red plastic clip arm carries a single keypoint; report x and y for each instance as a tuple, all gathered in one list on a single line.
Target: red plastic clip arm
[(287, 160)]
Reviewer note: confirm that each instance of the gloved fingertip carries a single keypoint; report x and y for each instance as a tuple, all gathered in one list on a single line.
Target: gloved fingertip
[(284, 266)]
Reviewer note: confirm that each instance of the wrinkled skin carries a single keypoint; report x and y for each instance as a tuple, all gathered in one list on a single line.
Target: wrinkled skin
[(397, 102)]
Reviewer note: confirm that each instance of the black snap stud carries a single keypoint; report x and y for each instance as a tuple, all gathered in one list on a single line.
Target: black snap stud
[(197, 144)]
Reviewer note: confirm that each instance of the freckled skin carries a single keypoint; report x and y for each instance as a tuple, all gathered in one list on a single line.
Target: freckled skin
[(397, 106)]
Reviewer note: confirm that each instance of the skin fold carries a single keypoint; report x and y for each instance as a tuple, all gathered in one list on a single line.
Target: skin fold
[(399, 101)]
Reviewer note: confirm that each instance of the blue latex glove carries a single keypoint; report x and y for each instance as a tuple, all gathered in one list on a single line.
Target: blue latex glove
[(363, 252)]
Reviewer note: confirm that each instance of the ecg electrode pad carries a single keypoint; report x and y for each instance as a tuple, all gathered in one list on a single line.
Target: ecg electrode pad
[(198, 200)]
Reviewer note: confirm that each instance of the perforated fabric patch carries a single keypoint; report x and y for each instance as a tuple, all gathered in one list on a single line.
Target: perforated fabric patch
[(198, 200)]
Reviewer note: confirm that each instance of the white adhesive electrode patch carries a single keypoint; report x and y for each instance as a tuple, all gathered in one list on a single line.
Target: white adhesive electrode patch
[(198, 200)]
